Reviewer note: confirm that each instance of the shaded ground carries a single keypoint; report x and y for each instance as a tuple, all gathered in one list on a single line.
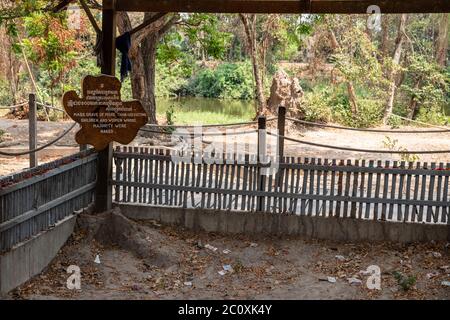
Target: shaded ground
[(162, 262)]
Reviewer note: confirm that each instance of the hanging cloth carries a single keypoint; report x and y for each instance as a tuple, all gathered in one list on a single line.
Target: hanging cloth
[(123, 44)]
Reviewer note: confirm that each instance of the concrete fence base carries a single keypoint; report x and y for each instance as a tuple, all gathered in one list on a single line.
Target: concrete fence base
[(30, 257), (338, 229)]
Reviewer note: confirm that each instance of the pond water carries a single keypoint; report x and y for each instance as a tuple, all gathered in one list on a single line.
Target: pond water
[(193, 110), (190, 110)]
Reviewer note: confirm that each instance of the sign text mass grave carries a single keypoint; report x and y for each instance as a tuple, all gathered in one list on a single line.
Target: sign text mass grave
[(101, 113)]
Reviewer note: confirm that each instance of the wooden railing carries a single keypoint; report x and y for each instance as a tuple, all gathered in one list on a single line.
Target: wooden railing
[(391, 191), (36, 199)]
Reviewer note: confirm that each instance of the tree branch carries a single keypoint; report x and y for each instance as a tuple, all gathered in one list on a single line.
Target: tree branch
[(148, 22), (90, 16), (169, 24)]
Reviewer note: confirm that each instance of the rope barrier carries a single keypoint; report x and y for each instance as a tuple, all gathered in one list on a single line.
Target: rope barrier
[(14, 106), (50, 107), (419, 122), (365, 130), (206, 134), (237, 124), (16, 154), (355, 149)]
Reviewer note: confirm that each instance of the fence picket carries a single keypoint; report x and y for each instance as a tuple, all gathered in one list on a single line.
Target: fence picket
[(310, 186), (392, 194)]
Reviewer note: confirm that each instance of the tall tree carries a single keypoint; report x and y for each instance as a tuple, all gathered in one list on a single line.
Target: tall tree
[(350, 87), (393, 73), (250, 24), (442, 40), (143, 56)]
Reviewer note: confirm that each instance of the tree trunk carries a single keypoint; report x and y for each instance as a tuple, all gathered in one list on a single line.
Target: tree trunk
[(396, 62), (442, 41), (384, 36), (352, 97), (350, 88), (414, 105), (143, 60), (249, 22), (148, 50)]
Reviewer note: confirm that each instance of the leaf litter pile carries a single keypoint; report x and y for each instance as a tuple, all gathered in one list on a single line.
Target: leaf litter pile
[(124, 259)]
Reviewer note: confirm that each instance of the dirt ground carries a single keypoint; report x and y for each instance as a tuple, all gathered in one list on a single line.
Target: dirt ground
[(152, 261), (17, 137)]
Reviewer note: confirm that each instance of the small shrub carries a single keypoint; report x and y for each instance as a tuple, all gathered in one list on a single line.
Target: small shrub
[(392, 144), (315, 107), (170, 117), (394, 122), (5, 94), (170, 81), (370, 113), (227, 81), (405, 282), (2, 133)]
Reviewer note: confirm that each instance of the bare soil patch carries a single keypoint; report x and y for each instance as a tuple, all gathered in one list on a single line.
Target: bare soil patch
[(146, 260)]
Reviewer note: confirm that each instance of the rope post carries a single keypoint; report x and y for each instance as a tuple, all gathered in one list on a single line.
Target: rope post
[(281, 131), (32, 129), (280, 142), (261, 158)]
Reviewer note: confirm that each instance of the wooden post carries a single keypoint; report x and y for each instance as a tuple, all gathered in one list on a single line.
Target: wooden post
[(83, 147), (281, 131), (262, 152), (280, 143), (262, 145), (32, 129), (103, 191)]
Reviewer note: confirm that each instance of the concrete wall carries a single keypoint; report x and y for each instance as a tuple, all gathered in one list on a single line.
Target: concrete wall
[(29, 258), (268, 223)]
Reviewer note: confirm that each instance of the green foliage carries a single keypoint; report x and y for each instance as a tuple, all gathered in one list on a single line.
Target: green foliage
[(206, 55), (198, 36), (316, 106), (170, 117), (394, 122), (2, 133), (170, 79), (50, 44), (405, 282), (10, 11), (327, 103), (5, 95), (204, 29), (392, 144), (428, 85), (370, 114), (227, 81), (356, 59)]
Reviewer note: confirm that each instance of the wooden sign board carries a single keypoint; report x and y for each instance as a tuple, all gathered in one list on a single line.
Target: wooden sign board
[(101, 113)]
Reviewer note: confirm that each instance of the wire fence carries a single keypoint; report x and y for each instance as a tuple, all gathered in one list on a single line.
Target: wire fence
[(48, 144), (173, 130), (323, 125), (357, 149)]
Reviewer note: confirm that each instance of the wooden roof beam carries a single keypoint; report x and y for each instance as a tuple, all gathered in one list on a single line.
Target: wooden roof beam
[(62, 5), (283, 6)]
